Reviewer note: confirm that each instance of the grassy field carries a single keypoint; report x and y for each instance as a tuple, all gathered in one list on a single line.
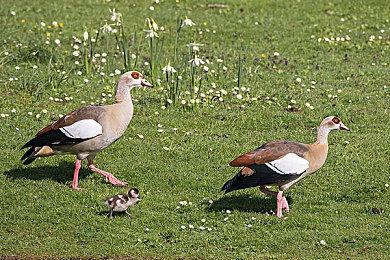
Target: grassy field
[(244, 73)]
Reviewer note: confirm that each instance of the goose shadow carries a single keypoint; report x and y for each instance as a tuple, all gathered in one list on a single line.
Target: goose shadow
[(61, 173), (246, 203)]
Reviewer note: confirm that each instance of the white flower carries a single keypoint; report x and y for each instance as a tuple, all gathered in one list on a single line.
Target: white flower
[(225, 219), (152, 24), (183, 227), (202, 228), (195, 46), (239, 96), (115, 17), (276, 54), (140, 136), (169, 68), (203, 220), (197, 61), (85, 36), (150, 34), (13, 13), (228, 211), (106, 28), (57, 41), (187, 22), (299, 80), (322, 242), (190, 226)]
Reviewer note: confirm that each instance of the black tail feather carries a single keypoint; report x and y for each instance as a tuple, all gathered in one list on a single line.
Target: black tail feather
[(48, 138), (262, 175), (29, 155)]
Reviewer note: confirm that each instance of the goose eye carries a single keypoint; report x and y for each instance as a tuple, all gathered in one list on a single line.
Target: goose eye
[(135, 75), (336, 120)]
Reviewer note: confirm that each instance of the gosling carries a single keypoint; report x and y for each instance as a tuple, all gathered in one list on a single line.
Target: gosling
[(122, 202)]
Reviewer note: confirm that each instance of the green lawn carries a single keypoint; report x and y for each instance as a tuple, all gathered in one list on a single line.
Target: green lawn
[(246, 73)]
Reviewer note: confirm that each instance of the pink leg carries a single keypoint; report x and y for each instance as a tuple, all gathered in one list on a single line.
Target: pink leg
[(108, 175), (75, 181), (281, 201)]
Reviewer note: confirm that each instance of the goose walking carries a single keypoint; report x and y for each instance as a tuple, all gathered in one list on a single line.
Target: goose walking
[(88, 130), (282, 163)]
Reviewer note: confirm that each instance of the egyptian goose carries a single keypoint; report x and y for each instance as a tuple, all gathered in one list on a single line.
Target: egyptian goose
[(282, 163), (88, 130), (122, 202)]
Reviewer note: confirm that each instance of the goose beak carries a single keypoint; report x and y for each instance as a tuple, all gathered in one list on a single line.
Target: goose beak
[(343, 127), (146, 83)]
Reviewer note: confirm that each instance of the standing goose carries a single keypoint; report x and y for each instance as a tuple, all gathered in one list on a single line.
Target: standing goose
[(88, 130), (282, 163)]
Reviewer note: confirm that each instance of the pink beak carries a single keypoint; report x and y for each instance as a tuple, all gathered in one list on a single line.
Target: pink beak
[(146, 83), (343, 127)]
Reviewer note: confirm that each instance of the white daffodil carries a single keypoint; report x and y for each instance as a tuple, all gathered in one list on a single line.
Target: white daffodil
[(187, 22), (152, 24), (168, 68), (196, 61), (85, 36), (150, 34), (115, 17), (106, 28)]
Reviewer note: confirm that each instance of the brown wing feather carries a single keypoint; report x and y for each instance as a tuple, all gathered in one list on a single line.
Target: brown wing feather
[(89, 112), (270, 151), (243, 160)]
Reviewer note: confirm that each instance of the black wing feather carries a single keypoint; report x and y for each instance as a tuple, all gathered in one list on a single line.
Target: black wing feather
[(263, 175)]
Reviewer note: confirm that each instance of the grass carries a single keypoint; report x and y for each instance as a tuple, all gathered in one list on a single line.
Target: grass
[(274, 71)]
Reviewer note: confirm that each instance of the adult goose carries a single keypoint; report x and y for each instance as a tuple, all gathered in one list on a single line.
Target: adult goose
[(282, 163), (88, 130)]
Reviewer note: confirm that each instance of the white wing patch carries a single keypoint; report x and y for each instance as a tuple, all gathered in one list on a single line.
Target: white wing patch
[(289, 164), (83, 129)]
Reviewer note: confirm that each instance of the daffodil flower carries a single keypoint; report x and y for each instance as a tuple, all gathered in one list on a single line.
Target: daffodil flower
[(115, 17), (152, 24), (150, 34), (106, 28), (85, 36), (168, 68), (197, 61), (187, 22), (194, 46)]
